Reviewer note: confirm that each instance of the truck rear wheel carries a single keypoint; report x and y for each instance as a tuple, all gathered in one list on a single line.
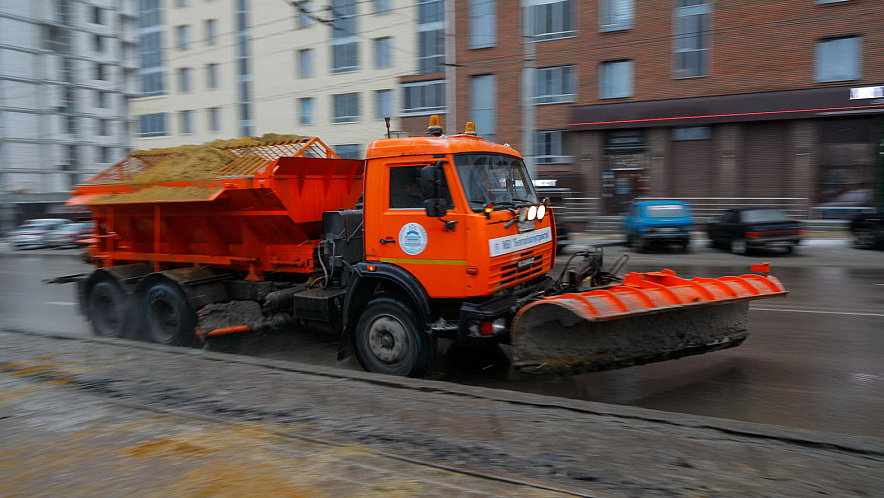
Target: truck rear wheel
[(106, 308), (167, 315), (389, 340)]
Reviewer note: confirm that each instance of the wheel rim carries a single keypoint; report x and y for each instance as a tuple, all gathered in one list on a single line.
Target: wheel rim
[(106, 313), (864, 238), (164, 320), (388, 339), (738, 246)]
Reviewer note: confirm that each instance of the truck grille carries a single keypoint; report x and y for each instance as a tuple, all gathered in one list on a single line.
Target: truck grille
[(507, 273)]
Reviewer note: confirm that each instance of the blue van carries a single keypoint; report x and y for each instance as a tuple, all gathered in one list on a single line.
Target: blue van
[(657, 223)]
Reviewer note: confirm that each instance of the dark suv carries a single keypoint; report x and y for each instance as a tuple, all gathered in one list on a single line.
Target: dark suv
[(868, 230), (741, 229)]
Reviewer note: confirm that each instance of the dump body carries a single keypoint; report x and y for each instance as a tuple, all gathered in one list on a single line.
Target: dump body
[(256, 208)]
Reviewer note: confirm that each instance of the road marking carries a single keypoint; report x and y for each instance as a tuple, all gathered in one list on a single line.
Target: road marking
[(62, 303), (818, 311), (881, 285)]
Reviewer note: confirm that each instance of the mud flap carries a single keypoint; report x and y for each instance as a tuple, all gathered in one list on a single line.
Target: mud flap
[(550, 338)]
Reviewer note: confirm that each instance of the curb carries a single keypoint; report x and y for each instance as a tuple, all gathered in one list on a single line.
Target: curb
[(800, 437)]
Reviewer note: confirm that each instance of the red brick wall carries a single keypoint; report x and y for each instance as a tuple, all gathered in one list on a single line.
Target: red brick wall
[(757, 45)]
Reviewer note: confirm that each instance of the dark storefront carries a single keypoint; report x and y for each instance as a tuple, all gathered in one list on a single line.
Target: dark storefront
[(817, 149)]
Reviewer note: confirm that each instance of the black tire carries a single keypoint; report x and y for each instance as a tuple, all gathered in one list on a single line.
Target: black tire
[(864, 238), (388, 340), (790, 249), (167, 317), (686, 246), (644, 245), (106, 309)]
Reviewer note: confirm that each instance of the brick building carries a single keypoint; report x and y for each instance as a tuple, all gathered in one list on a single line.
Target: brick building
[(777, 100)]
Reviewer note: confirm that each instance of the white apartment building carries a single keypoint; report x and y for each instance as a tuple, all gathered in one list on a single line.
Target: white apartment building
[(326, 68), (65, 73)]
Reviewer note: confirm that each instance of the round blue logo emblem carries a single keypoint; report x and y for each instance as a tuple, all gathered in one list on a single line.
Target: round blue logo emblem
[(412, 238)]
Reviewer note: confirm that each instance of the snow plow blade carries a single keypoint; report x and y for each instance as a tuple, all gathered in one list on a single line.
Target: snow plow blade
[(650, 317)]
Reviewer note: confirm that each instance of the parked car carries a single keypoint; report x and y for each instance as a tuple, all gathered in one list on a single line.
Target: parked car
[(68, 235), (868, 230), (30, 234), (657, 223), (741, 229)]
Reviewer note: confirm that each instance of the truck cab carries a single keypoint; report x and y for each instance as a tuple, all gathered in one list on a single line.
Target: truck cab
[(454, 231)]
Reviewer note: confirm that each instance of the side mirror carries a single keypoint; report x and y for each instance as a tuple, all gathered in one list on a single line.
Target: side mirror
[(436, 207), (432, 188), (432, 178)]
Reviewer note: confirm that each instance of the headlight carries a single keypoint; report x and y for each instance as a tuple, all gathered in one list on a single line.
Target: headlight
[(541, 211), (532, 213)]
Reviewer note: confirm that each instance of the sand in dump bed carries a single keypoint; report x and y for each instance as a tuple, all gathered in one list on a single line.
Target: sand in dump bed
[(199, 162), (156, 193)]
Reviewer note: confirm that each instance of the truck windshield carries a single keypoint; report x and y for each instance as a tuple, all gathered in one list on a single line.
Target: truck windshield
[(494, 178)]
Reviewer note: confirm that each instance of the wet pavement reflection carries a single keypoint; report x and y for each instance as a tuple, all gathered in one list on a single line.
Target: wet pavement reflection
[(814, 360)]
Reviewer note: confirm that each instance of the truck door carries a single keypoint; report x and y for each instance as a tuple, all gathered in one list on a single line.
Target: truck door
[(407, 237)]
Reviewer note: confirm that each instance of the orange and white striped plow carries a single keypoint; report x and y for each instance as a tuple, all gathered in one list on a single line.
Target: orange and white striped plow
[(650, 317)]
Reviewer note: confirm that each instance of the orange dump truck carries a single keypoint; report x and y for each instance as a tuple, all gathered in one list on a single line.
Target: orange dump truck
[(426, 238)]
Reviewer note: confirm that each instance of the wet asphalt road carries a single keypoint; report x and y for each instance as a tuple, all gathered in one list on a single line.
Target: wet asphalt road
[(814, 360)]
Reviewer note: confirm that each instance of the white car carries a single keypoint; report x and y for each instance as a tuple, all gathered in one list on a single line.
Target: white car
[(30, 234)]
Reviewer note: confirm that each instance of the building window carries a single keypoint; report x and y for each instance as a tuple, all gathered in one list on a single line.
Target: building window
[(691, 133), (214, 119), (615, 15), (212, 31), (98, 42), (103, 127), (347, 151), (615, 79), (105, 154), (483, 102), (382, 52), (305, 63), (693, 20), (97, 15), (431, 35), (70, 124), (306, 111), (101, 72), (183, 37), (182, 3), (554, 85), (346, 108), (101, 99), (184, 79), (243, 59), (483, 24), (552, 19), (212, 76), (384, 99), (425, 97), (549, 148), (381, 6), (152, 125), (838, 59), (151, 48), (344, 40), (305, 17), (186, 122)]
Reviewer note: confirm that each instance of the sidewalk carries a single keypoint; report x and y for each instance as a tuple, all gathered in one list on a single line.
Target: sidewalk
[(113, 418)]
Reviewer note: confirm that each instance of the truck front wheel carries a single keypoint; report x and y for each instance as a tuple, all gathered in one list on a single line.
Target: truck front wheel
[(389, 340), (167, 315)]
